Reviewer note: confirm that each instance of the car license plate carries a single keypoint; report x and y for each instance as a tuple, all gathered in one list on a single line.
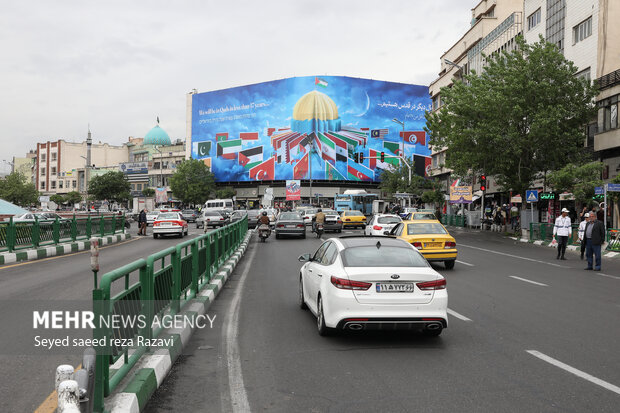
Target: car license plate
[(395, 287), (290, 226), (432, 245), (165, 224)]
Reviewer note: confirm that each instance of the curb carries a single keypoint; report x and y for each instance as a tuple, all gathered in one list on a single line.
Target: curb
[(60, 249), (151, 370)]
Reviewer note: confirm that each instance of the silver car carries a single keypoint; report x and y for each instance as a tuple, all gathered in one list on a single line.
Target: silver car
[(290, 223)]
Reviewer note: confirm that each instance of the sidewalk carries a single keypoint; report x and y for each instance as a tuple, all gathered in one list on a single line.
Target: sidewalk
[(60, 249)]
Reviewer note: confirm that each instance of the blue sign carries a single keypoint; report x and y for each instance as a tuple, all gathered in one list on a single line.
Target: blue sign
[(598, 190), (531, 195), (310, 127), (613, 187)]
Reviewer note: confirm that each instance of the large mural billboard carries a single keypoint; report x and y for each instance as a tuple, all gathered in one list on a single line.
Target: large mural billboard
[(310, 127)]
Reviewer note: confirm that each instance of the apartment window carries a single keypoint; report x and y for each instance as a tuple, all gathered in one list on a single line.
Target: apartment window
[(42, 171), (43, 157), (156, 165), (583, 30), (68, 184), (533, 20), (43, 185), (434, 158), (74, 185), (556, 16), (53, 156), (53, 170), (60, 184), (139, 187), (608, 114), (53, 184)]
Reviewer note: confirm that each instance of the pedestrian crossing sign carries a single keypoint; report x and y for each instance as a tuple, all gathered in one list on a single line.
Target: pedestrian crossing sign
[(531, 196)]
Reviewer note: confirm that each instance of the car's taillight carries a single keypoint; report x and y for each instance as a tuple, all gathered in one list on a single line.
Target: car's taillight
[(450, 244), (300, 225), (433, 285), (345, 284), (347, 219), (418, 245), (221, 219), (340, 221), (377, 228), (280, 225), (155, 224)]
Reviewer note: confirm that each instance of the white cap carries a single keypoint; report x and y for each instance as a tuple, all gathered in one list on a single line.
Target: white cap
[(587, 214), (564, 210)]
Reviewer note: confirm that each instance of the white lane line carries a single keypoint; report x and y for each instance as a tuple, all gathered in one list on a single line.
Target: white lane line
[(238, 396), (606, 275), (457, 315), (465, 263), (575, 371), (514, 256), (528, 281)]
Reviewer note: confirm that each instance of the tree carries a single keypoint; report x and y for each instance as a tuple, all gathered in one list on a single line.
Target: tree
[(73, 197), (580, 180), (58, 199), (15, 188), (112, 186), (148, 192), (192, 182), (524, 115), (225, 193), (396, 180)]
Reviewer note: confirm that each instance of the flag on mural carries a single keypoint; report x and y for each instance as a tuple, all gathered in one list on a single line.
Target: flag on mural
[(264, 171), (414, 137), (270, 131), (301, 168), (320, 82), (332, 174), (342, 151), (252, 157), (328, 148), (248, 136), (203, 149), (222, 136), (372, 159), (229, 149), (379, 133), (358, 172)]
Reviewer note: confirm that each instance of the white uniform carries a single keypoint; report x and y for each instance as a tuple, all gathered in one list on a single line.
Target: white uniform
[(562, 227), (582, 229)]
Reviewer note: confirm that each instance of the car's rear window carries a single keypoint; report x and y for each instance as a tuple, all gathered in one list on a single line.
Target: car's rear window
[(212, 213), (329, 212), (388, 220), (371, 256), (430, 228), (354, 214), (168, 215), (290, 216), (426, 215)]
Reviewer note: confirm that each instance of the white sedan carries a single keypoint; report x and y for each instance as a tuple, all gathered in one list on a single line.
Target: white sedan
[(382, 222), (368, 283), (168, 223)]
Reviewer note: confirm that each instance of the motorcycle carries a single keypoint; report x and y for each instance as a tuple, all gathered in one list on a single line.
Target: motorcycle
[(319, 230), (263, 232)]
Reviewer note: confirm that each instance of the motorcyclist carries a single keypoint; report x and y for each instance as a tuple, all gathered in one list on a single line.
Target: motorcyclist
[(263, 219), (319, 218)]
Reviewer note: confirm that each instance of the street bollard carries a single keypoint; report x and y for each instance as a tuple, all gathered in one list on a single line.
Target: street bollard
[(81, 377), (63, 372), (68, 396), (88, 364), (94, 257)]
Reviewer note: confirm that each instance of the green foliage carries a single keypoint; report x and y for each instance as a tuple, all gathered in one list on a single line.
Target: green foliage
[(148, 192), (57, 198), (435, 196), (525, 114), (73, 197), (14, 188), (396, 180), (192, 182), (580, 180), (225, 193), (112, 186)]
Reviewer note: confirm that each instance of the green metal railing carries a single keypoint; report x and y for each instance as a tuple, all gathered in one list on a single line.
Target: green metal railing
[(15, 236), (544, 232), (453, 220), (613, 240), (148, 288)]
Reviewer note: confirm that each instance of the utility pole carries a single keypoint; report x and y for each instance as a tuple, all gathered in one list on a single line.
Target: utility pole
[(89, 144)]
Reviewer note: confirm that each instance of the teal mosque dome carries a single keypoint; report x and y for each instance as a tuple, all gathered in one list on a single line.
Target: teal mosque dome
[(157, 136)]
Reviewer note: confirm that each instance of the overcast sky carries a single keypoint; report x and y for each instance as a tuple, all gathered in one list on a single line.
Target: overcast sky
[(117, 65)]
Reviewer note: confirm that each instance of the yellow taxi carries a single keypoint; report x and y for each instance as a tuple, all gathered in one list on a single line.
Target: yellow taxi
[(353, 219), (430, 238)]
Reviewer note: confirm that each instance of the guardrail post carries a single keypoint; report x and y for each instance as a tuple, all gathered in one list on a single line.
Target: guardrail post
[(531, 231), (36, 233), (73, 229), (89, 227), (113, 224), (147, 297), (101, 225), (11, 235), (123, 223), (176, 280), (102, 366), (195, 268), (56, 231), (209, 243), (216, 253)]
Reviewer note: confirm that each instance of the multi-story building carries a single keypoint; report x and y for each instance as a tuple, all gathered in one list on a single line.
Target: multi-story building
[(493, 28), (25, 165)]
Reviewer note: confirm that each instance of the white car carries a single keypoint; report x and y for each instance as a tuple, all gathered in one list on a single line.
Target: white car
[(369, 283), (380, 223), (151, 217), (168, 223), (308, 215)]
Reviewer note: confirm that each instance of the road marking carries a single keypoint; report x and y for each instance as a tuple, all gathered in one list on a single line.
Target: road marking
[(66, 255), (514, 256), (238, 397), (50, 404), (575, 371), (528, 281), (606, 275), (465, 263), (457, 315)]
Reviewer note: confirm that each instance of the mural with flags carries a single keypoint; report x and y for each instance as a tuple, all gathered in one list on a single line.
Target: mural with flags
[(310, 127)]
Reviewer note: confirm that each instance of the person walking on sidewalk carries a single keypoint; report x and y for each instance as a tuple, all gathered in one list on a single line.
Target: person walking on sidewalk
[(595, 235), (142, 222), (561, 231), (581, 233)]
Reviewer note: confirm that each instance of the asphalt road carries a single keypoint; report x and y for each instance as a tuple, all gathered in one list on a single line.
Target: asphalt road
[(526, 333), (28, 375)]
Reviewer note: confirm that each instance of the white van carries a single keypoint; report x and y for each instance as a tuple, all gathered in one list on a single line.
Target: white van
[(220, 204)]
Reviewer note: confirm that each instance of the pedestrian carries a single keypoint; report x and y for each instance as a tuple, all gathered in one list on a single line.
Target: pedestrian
[(561, 231), (514, 214), (582, 215), (142, 222), (595, 235), (581, 231)]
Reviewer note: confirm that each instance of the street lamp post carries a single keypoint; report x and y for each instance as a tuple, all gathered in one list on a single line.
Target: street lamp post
[(402, 152)]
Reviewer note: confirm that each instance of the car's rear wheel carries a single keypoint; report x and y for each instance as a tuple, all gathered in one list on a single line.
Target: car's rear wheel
[(303, 236), (449, 264), (302, 302), (320, 320), (154, 235)]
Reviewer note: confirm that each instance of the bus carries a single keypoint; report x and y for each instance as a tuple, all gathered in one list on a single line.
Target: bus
[(353, 200)]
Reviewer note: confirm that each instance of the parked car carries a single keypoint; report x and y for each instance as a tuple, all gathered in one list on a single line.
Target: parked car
[(431, 238), (370, 283), (352, 219), (26, 217), (253, 215), (168, 223), (380, 223), (211, 217), (189, 215), (49, 216), (332, 221), (290, 223)]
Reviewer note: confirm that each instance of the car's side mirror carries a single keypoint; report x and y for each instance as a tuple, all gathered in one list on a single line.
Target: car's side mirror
[(386, 233), (305, 258)]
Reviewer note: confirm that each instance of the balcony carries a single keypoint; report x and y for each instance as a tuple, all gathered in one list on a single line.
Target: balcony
[(609, 80)]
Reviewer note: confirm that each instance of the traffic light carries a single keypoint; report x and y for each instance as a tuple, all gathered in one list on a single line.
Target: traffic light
[(382, 156), (361, 157), (483, 182)]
